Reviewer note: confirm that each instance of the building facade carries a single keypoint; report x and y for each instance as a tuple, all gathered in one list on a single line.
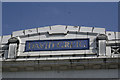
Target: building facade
[(61, 52)]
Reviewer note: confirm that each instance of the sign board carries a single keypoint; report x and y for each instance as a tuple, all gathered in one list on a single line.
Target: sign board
[(53, 45)]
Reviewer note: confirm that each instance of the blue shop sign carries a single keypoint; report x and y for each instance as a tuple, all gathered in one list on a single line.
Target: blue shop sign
[(54, 45)]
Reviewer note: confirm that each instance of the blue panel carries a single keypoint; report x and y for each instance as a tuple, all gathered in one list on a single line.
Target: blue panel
[(52, 45)]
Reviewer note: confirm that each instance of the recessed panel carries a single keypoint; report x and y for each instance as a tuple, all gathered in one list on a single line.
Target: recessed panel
[(53, 45)]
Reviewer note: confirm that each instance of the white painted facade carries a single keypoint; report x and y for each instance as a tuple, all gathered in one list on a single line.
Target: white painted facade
[(102, 55)]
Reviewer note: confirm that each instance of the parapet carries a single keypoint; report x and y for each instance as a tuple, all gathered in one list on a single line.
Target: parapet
[(102, 43)]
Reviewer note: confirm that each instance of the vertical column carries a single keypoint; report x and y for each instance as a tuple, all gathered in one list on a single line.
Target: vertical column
[(108, 51), (102, 47), (13, 42), (12, 50)]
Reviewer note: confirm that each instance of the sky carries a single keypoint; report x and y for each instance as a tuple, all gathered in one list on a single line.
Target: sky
[(26, 15)]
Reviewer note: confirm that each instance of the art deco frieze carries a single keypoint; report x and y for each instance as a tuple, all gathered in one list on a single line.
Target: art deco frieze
[(101, 44)]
